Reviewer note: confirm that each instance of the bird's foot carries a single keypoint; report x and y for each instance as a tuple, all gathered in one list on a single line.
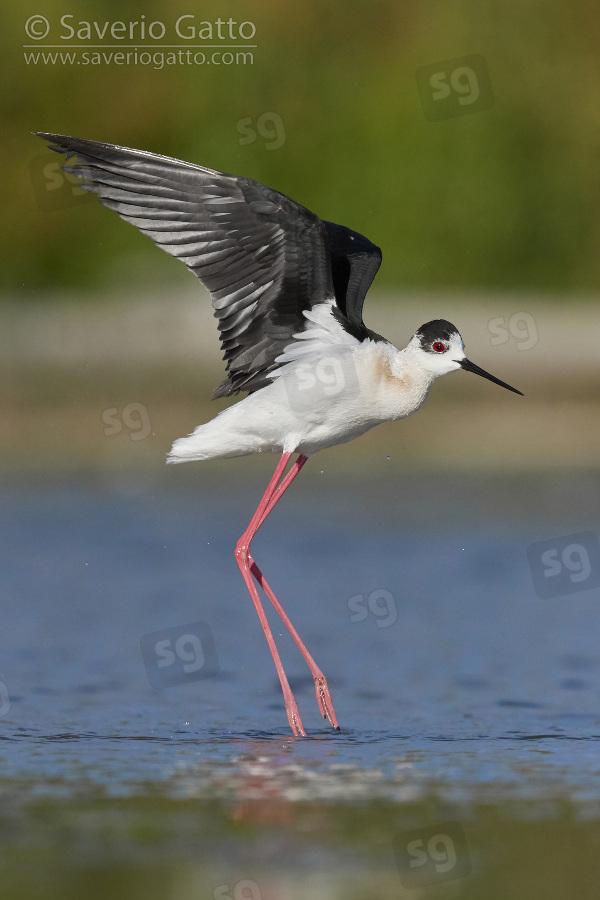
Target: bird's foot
[(293, 714), (324, 700)]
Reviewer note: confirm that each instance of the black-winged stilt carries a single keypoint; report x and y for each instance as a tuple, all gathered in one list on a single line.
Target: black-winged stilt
[(288, 290)]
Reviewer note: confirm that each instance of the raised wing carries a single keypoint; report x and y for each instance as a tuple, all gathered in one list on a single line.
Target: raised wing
[(354, 264), (263, 257)]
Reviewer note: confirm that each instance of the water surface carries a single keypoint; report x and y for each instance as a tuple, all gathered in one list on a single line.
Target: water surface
[(463, 696)]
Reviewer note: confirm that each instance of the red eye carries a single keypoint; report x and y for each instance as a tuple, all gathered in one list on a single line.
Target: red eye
[(438, 347)]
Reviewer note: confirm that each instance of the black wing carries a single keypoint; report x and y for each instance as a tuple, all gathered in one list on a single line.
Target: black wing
[(354, 264), (264, 258)]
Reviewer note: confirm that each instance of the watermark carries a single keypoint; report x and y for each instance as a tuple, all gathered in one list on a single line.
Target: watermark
[(54, 188), (565, 565), (178, 655), (431, 855), (520, 326), (269, 127), (379, 603), (455, 87), (4, 700), (186, 27), (154, 59), (307, 384), (185, 40), (246, 889), (135, 417)]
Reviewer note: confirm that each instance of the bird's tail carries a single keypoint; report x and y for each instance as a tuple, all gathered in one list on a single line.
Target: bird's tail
[(218, 439)]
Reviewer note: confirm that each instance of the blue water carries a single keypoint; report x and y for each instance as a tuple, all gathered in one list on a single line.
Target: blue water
[(414, 594)]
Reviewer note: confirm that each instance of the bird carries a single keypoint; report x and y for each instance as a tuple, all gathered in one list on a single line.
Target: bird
[(288, 290)]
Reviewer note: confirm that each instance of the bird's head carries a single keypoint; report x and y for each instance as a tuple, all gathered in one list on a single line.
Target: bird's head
[(438, 348)]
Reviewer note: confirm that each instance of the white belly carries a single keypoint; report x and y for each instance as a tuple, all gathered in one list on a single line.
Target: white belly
[(319, 403)]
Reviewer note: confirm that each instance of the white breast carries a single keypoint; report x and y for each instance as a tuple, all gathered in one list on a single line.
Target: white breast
[(329, 389)]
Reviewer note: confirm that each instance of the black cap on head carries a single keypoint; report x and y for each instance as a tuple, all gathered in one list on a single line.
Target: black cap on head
[(437, 329)]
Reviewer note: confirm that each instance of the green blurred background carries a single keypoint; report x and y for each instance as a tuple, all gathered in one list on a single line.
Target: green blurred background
[(484, 200), (504, 196), (481, 215)]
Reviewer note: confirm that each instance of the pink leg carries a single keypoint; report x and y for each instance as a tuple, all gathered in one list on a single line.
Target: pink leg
[(282, 487), (241, 556), (275, 490), (321, 689)]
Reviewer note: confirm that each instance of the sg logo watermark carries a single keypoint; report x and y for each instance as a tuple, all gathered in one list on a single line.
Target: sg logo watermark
[(53, 188), (455, 87), (246, 889), (134, 417), (269, 127), (309, 383), (520, 326), (4, 700), (565, 565), (380, 603), (178, 655), (431, 855)]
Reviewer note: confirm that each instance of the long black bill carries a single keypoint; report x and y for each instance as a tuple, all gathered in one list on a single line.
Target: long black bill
[(468, 366)]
